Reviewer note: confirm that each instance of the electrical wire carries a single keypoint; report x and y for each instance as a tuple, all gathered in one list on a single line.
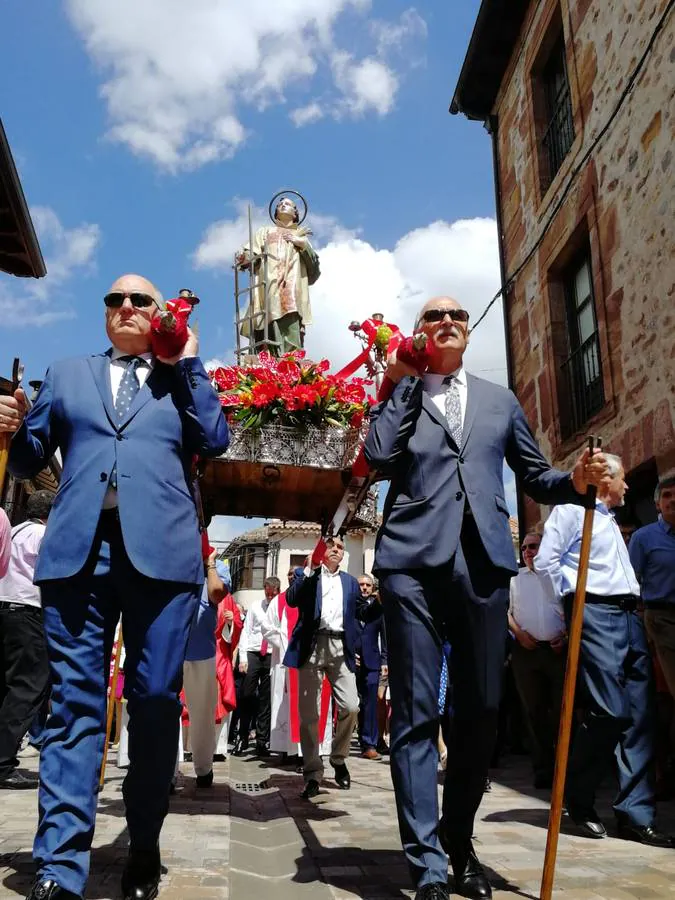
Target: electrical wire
[(579, 166)]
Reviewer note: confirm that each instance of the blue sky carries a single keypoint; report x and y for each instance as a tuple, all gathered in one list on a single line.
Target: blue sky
[(136, 128)]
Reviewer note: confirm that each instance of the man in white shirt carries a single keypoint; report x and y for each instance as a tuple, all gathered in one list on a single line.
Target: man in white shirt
[(22, 641), (255, 654), (615, 667), (323, 644), (537, 659)]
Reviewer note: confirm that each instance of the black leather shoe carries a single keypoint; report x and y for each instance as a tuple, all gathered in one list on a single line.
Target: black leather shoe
[(436, 890), (140, 878), (470, 878), (240, 747), (205, 781), (342, 777), (644, 834), (50, 890), (262, 750), (311, 789), (587, 824), (17, 781)]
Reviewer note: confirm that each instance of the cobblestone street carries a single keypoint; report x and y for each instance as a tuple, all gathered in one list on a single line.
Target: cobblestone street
[(252, 836)]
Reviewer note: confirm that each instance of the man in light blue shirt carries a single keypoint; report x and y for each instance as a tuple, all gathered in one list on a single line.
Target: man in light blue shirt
[(615, 667), (652, 553)]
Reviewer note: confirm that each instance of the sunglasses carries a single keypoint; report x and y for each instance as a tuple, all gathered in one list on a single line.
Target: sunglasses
[(437, 315), (138, 299)]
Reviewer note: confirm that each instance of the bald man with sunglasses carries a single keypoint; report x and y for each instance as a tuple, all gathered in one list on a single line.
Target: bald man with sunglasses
[(123, 540), (444, 558)]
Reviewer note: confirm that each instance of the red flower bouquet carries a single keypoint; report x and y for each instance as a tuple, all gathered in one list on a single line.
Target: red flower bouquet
[(291, 391)]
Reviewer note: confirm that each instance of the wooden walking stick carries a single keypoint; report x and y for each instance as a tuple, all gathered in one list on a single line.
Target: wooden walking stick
[(111, 707), (567, 711), (17, 377)]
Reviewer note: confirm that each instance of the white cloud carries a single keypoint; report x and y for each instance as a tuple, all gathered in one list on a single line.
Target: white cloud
[(367, 86), (178, 77), (307, 115), (67, 252)]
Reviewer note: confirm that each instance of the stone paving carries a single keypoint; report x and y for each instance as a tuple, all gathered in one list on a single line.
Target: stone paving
[(251, 836)]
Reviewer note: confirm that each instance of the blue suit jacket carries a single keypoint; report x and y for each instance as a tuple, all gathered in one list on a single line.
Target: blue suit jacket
[(372, 643), (305, 593), (432, 479), (175, 415)]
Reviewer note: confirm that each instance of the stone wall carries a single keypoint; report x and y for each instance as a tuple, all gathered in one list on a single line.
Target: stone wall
[(621, 200)]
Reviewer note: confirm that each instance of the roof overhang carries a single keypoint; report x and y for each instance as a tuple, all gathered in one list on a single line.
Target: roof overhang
[(491, 46), (20, 252)]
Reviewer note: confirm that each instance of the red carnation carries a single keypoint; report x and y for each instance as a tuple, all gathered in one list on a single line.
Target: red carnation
[(264, 394)]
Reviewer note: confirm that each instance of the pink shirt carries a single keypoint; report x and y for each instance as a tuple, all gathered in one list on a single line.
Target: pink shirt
[(5, 542), (17, 585)]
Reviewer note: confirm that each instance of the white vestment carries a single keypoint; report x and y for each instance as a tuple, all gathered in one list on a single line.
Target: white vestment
[(275, 632)]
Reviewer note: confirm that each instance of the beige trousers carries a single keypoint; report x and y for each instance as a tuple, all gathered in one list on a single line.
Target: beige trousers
[(201, 695), (327, 659)]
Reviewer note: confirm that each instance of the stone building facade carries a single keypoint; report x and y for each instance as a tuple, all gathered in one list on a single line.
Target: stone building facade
[(578, 97)]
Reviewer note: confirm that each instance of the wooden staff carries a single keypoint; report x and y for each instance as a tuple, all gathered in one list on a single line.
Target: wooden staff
[(567, 711), (17, 375), (111, 707)]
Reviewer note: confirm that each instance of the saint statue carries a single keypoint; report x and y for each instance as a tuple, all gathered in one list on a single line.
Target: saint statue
[(292, 265)]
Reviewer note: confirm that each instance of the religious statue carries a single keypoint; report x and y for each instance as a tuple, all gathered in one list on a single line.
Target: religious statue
[(284, 266)]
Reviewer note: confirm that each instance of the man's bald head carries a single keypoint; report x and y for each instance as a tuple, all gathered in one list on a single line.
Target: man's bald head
[(128, 326), (437, 303), (129, 283)]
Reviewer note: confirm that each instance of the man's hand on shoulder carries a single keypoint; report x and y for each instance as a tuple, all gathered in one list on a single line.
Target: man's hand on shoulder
[(190, 349), (590, 470), (12, 412)]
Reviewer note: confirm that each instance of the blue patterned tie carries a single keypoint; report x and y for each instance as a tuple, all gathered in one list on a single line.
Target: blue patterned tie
[(129, 387), (453, 409)]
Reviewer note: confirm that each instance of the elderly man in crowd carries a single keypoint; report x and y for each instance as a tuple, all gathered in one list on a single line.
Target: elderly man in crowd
[(615, 667), (123, 538), (371, 664), (652, 553)]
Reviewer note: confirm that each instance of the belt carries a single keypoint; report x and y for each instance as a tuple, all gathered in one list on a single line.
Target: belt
[(626, 602), (5, 604), (328, 633)]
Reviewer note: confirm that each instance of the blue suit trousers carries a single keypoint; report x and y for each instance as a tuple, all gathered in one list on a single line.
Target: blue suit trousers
[(367, 682), (465, 601), (615, 677), (80, 617)]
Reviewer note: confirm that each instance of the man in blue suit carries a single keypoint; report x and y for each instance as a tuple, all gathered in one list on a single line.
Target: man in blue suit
[(123, 538), (323, 643), (371, 662), (444, 558)]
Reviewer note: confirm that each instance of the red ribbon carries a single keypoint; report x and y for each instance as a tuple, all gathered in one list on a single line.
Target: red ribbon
[(370, 327)]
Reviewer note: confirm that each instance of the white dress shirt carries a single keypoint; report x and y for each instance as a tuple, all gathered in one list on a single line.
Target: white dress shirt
[(609, 572), (332, 613), (533, 609), (433, 385), (252, 634), (17, 585), (117, 367)]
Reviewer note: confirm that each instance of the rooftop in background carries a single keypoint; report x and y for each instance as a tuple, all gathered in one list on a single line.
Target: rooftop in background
[(494, 36), (20, 252)]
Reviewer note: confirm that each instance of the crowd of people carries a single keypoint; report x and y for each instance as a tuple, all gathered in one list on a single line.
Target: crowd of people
[(433, 635)]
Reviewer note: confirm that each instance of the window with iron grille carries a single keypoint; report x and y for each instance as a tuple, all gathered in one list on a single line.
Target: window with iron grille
[(248, 568), (582, 393), (558, 135)]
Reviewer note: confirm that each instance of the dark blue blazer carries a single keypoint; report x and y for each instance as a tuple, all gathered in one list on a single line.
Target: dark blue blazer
[(174, 416), (372, 643), (305, 594), (433, 480)]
